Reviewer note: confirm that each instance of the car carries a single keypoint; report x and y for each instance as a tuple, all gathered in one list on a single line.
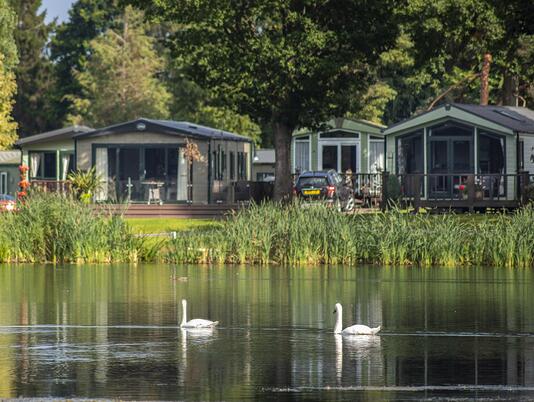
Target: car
[(8, 203), (325, 186)]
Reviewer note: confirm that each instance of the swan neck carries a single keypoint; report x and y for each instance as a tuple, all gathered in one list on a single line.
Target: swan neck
[(184, 312), (339, 324)]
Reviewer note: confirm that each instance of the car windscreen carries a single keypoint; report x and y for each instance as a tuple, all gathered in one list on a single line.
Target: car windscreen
[(313, 181)]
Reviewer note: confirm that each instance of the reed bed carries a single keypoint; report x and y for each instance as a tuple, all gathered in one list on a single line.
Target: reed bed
[(290, 234), (53, 228)]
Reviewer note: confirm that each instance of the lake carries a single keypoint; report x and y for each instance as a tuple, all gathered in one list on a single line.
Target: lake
[(111, 332)]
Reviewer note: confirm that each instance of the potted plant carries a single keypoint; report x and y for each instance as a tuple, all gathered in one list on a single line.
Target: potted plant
[(85, 184)]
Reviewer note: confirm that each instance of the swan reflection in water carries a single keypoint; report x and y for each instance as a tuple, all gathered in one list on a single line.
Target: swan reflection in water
[(193, 337), (360, 349)]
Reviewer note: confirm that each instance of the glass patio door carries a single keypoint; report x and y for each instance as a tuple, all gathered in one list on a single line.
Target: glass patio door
[(338, 156), (450, 160), (439, 163)]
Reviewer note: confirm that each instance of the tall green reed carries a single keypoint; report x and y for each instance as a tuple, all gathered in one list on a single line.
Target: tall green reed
[(293, 234), (53, 228)]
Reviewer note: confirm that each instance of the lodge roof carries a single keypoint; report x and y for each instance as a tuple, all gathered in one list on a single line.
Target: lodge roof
[(167, 127), (519, 119), (65, 133), (512, 118), (10, 157)]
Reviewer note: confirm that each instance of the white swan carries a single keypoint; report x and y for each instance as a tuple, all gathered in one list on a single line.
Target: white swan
[(197, 322), (353, 330)]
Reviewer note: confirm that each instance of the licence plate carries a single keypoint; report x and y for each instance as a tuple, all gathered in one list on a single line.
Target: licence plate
[(311, 192)]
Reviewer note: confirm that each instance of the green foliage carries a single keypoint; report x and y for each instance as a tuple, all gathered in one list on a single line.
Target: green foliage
[(286, 63), (290, 234), (85, 183), (121, 76), (33, 109), (8, 88), (70, 49), (8, 47), (53, 228)]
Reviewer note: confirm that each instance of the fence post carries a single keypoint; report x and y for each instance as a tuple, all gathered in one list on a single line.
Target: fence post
[(471, 192), (417, 192), (384, 202)]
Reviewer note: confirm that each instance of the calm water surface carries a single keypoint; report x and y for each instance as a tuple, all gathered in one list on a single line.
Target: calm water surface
[(110, 332)]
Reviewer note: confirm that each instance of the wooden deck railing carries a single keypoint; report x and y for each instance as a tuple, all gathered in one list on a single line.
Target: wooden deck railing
[(52, 186), (457, 190)]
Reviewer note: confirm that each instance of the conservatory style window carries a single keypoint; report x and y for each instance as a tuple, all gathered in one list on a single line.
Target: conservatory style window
[(376, 156), (302, 154)]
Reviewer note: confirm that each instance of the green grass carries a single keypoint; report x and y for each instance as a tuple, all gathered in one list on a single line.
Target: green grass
[(161, 225)]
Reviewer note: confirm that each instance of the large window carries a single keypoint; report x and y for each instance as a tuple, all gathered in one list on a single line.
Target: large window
[(242, 165), (43, 165), (329, 155), (141, 172), (232, 166), (302, 154), (376, 156), (3, 182), (410, 153), (219, 163), (490, 153)]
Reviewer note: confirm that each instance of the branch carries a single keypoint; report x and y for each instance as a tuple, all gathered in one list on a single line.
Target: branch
[(466, 81)]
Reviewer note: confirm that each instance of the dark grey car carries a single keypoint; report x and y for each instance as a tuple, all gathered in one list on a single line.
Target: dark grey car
[(325, 186)]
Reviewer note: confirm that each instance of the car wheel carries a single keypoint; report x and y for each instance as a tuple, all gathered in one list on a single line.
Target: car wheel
[(349, 206)]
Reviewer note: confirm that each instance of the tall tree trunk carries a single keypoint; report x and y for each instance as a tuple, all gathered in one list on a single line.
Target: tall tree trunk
[(484, 80), (510, 89), (282, 170)]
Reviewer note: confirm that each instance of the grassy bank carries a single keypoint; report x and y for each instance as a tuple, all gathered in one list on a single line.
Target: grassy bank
[(296, 235), (159, 225), (51, 228)]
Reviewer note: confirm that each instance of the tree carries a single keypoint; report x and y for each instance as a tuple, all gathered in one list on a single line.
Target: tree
[(287, 62), (70, 49), (34, 72), (192, 103), (8, 48), (120, 80), (8, 87)]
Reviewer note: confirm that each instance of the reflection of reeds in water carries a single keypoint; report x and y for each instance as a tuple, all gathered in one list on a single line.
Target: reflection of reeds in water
[(291, 234)]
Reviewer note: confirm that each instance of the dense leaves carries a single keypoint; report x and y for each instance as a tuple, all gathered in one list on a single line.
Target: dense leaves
[(35, 80), (289, 63), (119, 82), (8, 61)]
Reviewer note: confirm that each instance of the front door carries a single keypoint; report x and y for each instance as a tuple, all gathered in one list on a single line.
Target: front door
[(450, 160)]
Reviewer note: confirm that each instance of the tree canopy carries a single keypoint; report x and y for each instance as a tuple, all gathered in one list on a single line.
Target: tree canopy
[(8, 61), (34, 72), (289, 63), (119, 81)]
